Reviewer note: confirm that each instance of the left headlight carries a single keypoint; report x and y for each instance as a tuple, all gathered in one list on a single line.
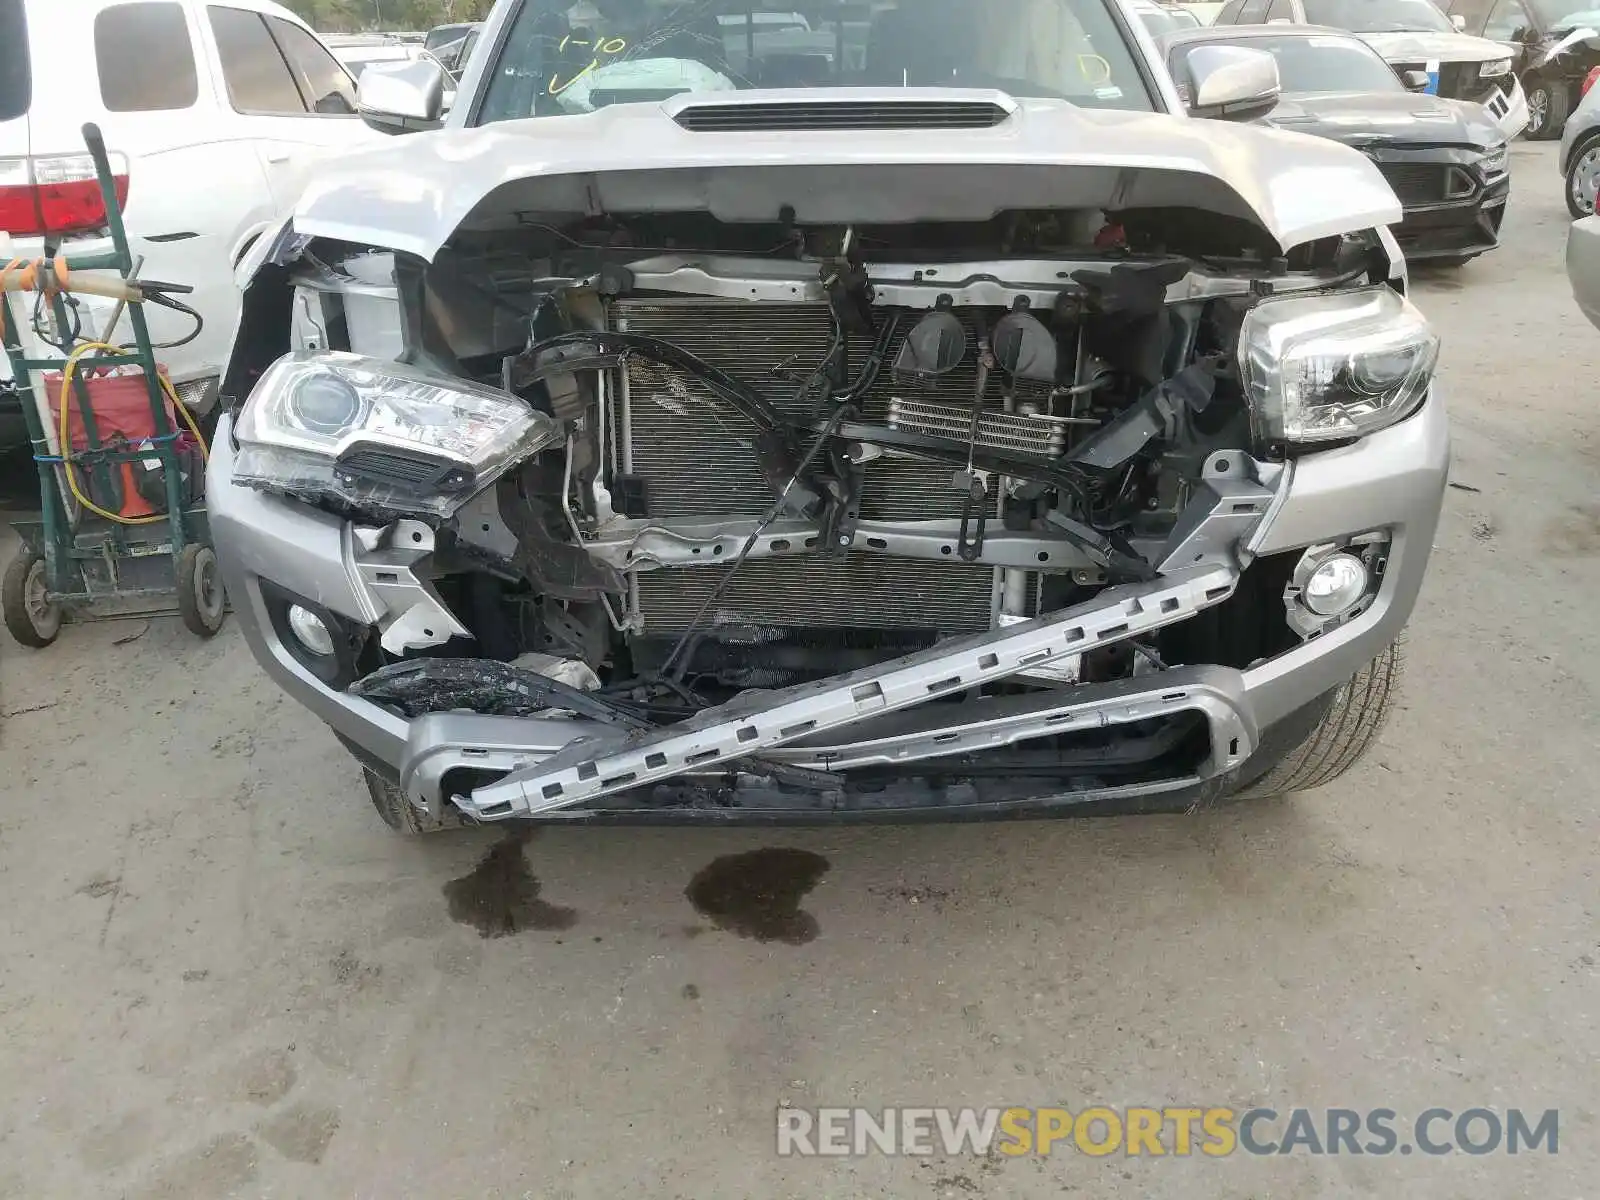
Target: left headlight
[(1494, 161), (1334, 366), (1495, 66), (381, 434)]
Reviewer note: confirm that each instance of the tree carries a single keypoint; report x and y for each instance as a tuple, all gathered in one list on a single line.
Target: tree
[(348, 16)]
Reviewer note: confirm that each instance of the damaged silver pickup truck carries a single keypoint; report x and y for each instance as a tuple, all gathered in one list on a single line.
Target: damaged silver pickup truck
[(903, 409)]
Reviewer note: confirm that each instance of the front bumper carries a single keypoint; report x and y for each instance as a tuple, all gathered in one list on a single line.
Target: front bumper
[(1463, 226), (1393, 481)]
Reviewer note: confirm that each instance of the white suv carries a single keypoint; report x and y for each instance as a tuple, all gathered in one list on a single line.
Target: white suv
[(214, 112)]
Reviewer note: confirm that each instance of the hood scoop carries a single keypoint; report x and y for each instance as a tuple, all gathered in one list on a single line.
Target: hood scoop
[(931, 109)]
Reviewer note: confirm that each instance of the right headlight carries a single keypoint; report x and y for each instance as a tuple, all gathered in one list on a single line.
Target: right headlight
[(381, 434), (1334, 366)]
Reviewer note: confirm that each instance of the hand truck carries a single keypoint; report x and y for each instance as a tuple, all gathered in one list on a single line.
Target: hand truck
[(96, 549)]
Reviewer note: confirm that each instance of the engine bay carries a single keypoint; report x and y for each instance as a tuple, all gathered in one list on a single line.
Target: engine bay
[(791, 452)]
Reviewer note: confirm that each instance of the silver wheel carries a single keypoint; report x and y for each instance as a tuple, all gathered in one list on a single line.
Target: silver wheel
[(1538, 111), (1583, 181)]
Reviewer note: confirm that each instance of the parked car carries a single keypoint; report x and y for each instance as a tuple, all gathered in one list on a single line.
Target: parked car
[(1550, 53), (1579, 157), (214, 114), (1583, 266), (1446, 160), (1165, 18), (356, 54), (443, 35), (457, 53), (655, 518), (1411, 35)]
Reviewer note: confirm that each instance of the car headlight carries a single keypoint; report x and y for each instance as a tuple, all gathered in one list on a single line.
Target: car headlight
[(1334, 366), (1495, 66), (381, 434), (1495, 160)]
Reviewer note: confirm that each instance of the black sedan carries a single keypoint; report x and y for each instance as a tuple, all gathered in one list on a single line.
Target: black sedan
[(1445, 159)]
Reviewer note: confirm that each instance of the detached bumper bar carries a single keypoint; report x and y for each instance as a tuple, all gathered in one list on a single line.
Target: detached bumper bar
[(591, 768)]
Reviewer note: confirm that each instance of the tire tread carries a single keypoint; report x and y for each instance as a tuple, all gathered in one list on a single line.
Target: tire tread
[(1344, 734)]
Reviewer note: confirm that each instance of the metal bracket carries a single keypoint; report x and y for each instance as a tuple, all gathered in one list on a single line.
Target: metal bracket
[(1215, 524)]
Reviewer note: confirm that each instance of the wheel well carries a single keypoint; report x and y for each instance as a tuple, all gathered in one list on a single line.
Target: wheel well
[(1578, 147)]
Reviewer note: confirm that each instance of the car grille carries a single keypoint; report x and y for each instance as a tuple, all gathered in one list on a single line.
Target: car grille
[(1418, 184)]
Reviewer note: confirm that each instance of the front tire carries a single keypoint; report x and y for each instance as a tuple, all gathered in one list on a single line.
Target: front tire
[(1341, 737), (1583, 179), (1549, 103), (400, 814)]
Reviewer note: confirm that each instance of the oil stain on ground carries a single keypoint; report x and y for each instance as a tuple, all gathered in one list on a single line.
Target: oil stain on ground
[(501, 897), (757, 895)]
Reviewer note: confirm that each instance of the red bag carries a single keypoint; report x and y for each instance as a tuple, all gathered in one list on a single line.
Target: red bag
[(122, 419)]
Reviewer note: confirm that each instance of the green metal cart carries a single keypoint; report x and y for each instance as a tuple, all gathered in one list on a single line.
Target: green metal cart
[(85, 555)]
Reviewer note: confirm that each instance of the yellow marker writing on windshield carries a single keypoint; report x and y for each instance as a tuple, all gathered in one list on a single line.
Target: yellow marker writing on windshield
[(1102, 69), (608, 48)]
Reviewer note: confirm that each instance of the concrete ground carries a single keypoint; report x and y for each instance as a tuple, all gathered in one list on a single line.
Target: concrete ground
[(222, 976)]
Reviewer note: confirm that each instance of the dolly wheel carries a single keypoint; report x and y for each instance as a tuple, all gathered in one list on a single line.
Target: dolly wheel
[(202, 603), (33, 619)]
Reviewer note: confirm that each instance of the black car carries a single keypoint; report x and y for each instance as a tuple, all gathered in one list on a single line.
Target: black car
[(1445, 159), (1533, 28)]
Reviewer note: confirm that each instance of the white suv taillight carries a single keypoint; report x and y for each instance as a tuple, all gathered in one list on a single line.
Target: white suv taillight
[(55, 194)]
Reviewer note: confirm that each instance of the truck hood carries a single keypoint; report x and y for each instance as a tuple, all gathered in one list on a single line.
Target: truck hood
[(414, 192), (1362, 118), (1421, 46)]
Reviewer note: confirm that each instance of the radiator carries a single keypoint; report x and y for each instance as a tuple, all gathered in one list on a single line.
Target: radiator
[(856, 591), (695, 456)]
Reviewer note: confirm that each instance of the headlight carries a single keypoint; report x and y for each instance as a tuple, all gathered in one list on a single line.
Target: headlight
[(1334, 366), (1493, 162), (381, 434), (1495, 66)]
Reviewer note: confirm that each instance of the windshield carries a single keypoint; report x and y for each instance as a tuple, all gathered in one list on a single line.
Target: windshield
[(1568, 14), (561, 57), (1165, 20), (1326, 64), (1379, 16)]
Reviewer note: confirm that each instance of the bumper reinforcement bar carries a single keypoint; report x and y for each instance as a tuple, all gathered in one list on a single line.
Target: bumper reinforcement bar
[(756, 722), (924, 733)]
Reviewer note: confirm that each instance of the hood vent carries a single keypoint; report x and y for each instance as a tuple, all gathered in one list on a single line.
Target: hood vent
[(777, 116)]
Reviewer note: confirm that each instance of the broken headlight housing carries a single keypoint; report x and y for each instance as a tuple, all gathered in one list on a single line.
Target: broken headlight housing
[(1334, 366), (380, 434)]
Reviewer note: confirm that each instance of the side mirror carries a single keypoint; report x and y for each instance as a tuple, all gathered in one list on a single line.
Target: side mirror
[(1415, 81), (1232, 83), (1458, 22), (401, 97)]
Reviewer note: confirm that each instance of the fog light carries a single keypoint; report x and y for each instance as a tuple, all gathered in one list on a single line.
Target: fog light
[(1339, 581), (311, 632)]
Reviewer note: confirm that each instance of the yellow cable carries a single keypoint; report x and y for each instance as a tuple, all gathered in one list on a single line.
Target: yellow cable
[(67, 373)]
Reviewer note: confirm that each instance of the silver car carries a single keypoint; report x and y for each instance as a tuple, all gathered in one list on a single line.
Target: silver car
[(1579, 157), (947, 425)]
